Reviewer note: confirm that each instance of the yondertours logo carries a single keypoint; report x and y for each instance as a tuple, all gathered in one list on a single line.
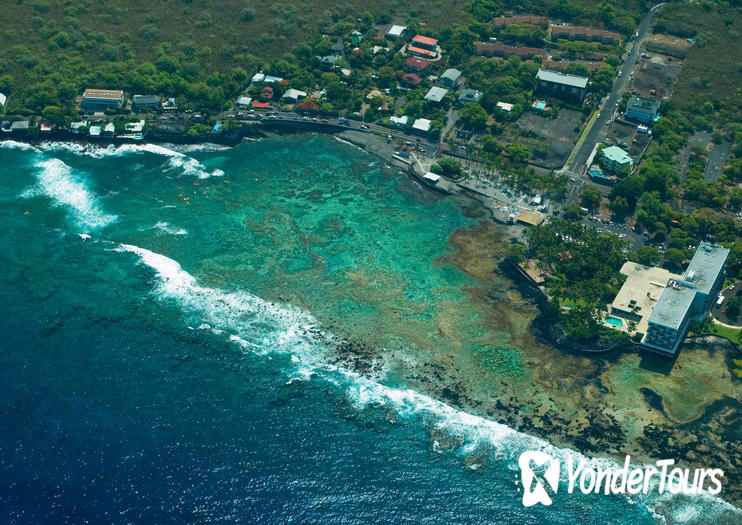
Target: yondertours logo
[(540, 474)]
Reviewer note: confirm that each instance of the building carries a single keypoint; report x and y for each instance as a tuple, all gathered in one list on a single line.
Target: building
[(417, 64), (411, 79), (256, 104), (425, 42), (505, 106), (99, 100), (615, 160), (436, 94), (587, 34), (395, 32), (561, 85), (19, 126), (399, 121), (421, 52), (95, 131), (3, 99), (642, 109), (687, 299), (293, 95), (531, 218), (503, 21), (109, 130), (490, 49), (244, 102), (450, 78), (421, 124), (630, 310), (470, 95)]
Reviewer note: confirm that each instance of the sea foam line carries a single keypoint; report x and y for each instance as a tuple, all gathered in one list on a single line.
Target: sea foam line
[(264, 327), (188, 165), (12, 144), (54, 179)]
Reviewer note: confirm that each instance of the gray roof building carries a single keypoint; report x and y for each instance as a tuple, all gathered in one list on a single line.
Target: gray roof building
[(555, 77), (436, 94), (450, 77)]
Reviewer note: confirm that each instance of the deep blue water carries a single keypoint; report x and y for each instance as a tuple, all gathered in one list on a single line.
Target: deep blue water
[(124, 400)]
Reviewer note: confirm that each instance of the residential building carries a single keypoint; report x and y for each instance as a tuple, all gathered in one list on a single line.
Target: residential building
[(503, 21), (19, 126), (587, 34), (395, 32), (490, 49), (399, 121), (421, 52), (470, 95), (642, 109), (422, 124), (417, 64), (561, 85), (293, 95), (268, 79), (95, 131), (244, 102), (450, 78), (109, 130), (411, 79), (424, 42), (615, 160), (505, 106), (436, 94), (686, 300), (99, 100), (3, 99)]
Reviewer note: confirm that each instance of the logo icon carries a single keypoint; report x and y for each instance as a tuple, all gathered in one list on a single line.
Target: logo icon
[(533, 488)]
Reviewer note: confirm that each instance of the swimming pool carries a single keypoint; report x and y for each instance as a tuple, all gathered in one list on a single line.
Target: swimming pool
[(540, 105), (614, 322)]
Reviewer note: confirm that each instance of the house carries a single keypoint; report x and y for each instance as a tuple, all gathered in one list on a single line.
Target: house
[(395, 32), (267, 92), (686, 299), (615, 160), (417, 64), (99, 100), (109, 130), (421, 52), (424, 42), (75, 127), (504, 106), (169, 104), (450, 78), (399, 121), (503, 21), (412, 79), (3, 99), (95, 131), (135, 127), (260, 105), (490, 49), (244, 102), (267, 79), (293, 96), (436, 94), (46, 127), (356, 37), (561, 85), (422, 124), (587, 34), (642, 109), (470, 95), (328, 62), (19, 126), (141, 103)]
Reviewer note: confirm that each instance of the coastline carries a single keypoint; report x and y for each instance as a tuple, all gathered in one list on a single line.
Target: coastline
[(599, 436)]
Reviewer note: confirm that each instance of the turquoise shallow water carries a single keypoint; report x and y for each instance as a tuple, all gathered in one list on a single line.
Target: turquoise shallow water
[(173, 338)]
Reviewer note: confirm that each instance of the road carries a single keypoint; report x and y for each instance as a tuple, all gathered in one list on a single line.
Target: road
[(576, 166)]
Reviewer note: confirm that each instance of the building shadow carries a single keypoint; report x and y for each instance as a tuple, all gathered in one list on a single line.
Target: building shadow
[(659, 364)]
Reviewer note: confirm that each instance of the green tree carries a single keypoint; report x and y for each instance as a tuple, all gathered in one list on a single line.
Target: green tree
[(590, 197)]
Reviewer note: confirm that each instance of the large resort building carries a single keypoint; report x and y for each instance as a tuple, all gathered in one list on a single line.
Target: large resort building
[(659, 305)]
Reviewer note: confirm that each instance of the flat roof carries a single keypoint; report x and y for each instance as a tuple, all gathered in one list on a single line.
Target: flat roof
[(399, 120), (433, 177), (706, 265), (396, 30), (618, 155), (436, 94), (294, 93), (640, 292), (109, 94), (561, 78), (422, 124), (425, 40), (146, 99), (643, 104), (673, 305), (532, 218)]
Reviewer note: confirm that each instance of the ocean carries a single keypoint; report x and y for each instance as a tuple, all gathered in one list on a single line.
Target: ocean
[(200, 334)]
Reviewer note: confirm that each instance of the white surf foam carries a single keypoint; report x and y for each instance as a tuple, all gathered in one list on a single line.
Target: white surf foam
[(167, 229), (12, 144), (263, 327), (179, 161), (56, 181)]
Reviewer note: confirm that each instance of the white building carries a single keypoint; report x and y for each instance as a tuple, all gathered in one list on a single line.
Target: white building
[(422, 124), (395, 32)]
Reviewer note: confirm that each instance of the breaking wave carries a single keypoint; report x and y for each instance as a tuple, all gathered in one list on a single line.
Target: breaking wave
[(179, 161), (264, 328), (54, 179)]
